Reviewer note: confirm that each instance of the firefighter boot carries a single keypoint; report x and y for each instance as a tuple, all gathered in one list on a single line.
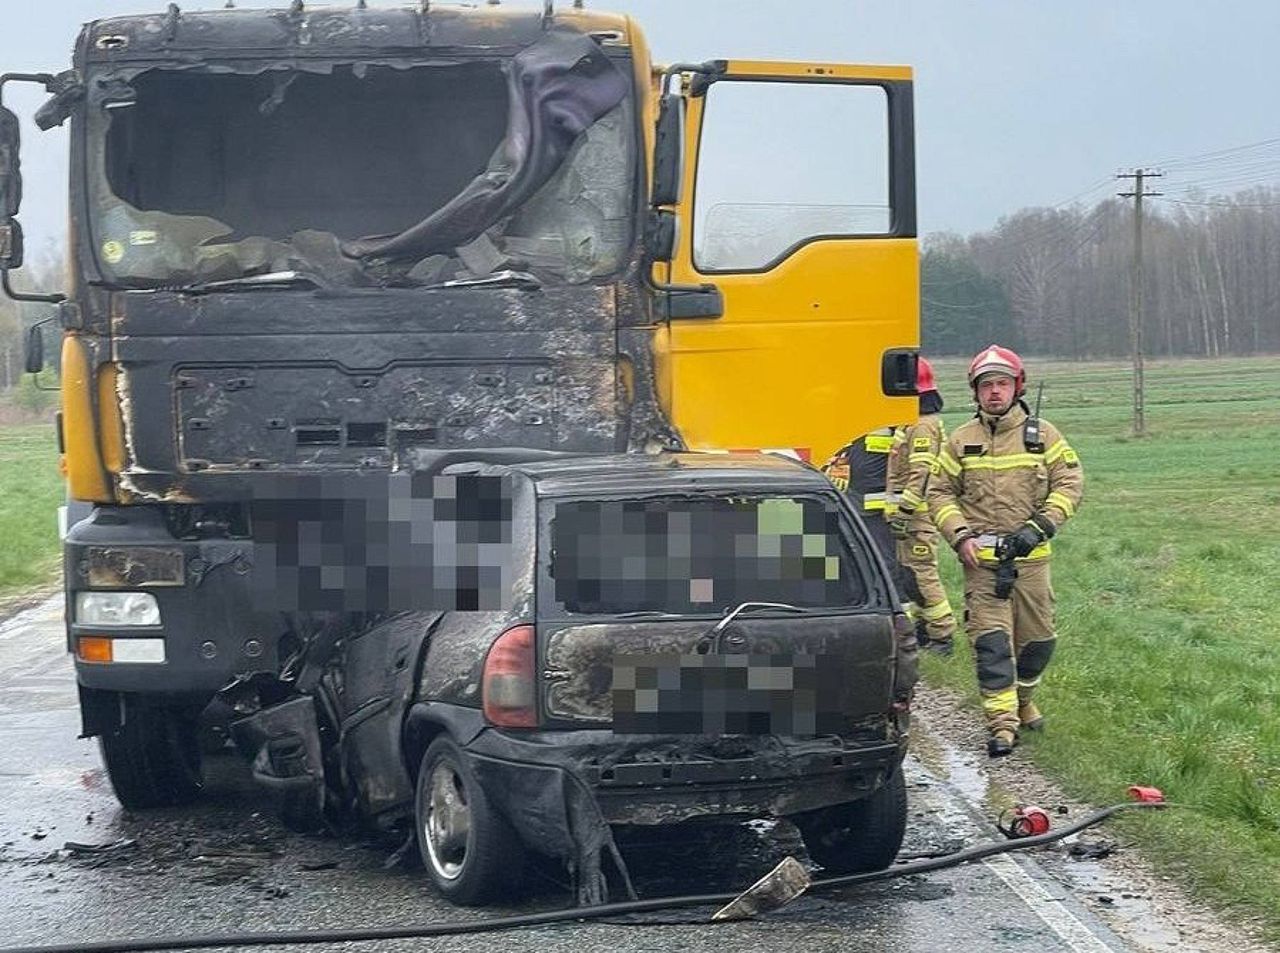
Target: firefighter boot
[(1001, 743), (1029, 715), (944, 648), (1032, 661)]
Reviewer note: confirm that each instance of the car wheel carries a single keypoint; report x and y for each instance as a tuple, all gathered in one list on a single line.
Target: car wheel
[(471, 852), (152, 756), (860, 836)]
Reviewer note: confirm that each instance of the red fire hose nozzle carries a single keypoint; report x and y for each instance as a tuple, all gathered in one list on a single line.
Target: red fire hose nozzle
[(1146, 795)]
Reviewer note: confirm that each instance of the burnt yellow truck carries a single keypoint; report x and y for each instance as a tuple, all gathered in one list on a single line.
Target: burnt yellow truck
[(307, 242)]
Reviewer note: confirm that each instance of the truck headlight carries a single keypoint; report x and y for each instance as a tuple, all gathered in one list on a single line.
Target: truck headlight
[(117, 608)]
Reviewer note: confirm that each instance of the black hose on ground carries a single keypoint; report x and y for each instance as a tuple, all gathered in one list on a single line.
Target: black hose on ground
[(491, 924)]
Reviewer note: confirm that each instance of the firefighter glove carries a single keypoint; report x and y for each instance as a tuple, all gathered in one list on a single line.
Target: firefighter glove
[(1026, 539)]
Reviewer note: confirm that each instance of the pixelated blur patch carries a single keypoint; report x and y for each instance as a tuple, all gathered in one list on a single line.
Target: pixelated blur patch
[(382, 542), (781, 694), (699, 554)]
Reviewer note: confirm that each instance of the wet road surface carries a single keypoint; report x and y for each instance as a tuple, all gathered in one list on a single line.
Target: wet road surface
[(75, 867)]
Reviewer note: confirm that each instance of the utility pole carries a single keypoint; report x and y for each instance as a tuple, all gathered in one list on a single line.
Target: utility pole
[(1139, 177)]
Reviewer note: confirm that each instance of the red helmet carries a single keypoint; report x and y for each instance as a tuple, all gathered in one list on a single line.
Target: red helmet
[(997, 358), (924, 376)]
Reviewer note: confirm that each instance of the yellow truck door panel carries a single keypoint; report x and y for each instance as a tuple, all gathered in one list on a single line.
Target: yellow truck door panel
[(797, 204)]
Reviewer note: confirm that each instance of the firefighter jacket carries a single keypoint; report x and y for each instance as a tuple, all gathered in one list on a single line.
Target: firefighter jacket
[(987, 480), (861, 469), (915, 451)]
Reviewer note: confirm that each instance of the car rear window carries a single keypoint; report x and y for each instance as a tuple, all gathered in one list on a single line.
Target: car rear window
[(693, 555)]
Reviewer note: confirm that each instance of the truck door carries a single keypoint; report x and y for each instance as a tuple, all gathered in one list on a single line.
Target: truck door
[(790, 258)]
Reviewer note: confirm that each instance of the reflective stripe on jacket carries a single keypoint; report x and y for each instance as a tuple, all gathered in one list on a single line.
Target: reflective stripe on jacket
[(861, 470)]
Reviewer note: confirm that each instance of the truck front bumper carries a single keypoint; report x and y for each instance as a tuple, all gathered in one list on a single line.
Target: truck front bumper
[(210, 630)]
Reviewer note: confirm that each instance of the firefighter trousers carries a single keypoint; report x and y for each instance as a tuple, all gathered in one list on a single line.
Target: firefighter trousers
[(918, 556), (1012, 639)]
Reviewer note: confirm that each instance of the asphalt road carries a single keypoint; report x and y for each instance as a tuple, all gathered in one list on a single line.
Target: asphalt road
[(224, 865)]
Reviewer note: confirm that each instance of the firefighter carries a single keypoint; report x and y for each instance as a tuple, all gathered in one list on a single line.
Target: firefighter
[(860, 470), (1003, 485), (915, 451)]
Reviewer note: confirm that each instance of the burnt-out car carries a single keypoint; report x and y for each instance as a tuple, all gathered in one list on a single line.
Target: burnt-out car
[(668, 637)]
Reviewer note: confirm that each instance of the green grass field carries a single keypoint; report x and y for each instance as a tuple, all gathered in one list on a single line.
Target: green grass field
[(30, 494), (1168, 593)]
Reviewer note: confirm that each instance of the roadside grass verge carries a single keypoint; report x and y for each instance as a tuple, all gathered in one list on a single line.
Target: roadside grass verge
[(1168, 606), (31, 490)]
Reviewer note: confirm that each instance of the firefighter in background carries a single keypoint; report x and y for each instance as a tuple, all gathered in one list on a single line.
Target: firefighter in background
[(915, 451), (860, 470), (1004, 484)]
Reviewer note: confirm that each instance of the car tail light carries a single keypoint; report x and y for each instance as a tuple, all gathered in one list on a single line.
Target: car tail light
[(509, 687)]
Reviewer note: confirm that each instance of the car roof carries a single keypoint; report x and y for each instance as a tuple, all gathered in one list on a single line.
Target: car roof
[(650, 474)]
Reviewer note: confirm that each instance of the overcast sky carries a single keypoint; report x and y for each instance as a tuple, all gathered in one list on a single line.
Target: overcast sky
[(1018, 102)]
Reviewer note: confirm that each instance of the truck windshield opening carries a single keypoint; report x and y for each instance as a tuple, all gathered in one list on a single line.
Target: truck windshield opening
[(368, 175)]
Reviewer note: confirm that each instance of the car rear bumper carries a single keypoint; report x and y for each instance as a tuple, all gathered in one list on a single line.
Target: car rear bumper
[(662, 780)]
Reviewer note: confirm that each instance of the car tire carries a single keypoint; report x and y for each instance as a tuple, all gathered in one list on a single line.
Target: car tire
[(471, 852), (860, 836), (152, 756)]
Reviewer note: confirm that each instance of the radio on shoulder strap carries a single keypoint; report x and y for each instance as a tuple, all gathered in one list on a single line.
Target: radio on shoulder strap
[(1031, 437)]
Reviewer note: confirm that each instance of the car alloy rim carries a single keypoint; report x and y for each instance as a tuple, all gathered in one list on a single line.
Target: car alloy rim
[(447, 824)]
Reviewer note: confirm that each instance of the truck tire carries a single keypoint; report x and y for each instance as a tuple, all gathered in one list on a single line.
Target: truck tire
[(860, 836), (470, 851), (152, 756)]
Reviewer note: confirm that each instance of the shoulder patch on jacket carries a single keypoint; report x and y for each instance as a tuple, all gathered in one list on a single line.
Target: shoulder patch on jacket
[(920, 443), (1070, 458)]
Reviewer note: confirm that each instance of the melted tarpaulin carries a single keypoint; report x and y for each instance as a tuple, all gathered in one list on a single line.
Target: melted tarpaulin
[(558, 88)]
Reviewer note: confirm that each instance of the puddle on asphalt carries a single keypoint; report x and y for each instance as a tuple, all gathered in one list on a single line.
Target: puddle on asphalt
[(959, 769), (1089, 878)]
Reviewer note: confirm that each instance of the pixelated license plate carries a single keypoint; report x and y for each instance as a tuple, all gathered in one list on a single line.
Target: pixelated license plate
[(782, 694)]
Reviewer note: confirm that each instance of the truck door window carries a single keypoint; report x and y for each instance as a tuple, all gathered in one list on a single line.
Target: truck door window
[(784, 162)]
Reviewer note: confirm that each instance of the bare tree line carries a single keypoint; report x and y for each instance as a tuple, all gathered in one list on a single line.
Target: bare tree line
[(1056, 281)]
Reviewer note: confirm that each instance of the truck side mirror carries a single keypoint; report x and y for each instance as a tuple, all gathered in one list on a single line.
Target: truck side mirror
[(34, 358), (11, 194), (10, 174), (10, 244), (668, 146)]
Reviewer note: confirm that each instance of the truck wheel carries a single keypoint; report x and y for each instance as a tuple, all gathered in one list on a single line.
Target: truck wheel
[(471, 852), (860, 836), (153, 756)]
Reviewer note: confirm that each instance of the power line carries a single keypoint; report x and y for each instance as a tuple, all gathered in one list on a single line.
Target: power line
[(1100, 184), (1213, 155), (1226, 203), (1258, 173)]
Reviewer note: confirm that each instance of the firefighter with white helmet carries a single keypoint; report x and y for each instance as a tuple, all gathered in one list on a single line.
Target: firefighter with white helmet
[(915, 451), (1003, 485)]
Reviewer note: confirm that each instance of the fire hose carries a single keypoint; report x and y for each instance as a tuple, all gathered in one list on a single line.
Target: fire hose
[(1028, 837)]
